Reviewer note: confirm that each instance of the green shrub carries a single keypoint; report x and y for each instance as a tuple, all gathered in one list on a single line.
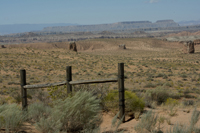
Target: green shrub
[(74, 114), (11, 117), (132, 102), (178, 129), (51, 124), (168, 84), (57, 92), (183, 75), (116, 123), (188, 102), (81, 111), (148, 122), (171, 102), (2, 101), (36, 111), (161, 75), (194, 119), (160, 95), (187, 129), (150, 85)]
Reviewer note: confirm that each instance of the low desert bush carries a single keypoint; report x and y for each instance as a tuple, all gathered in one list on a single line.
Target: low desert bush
[(74, 114), (2, 101), (188, 102), (160, 95), (187, 129), (132, 102), (116, 123), (194, 119), (11, 117), (51, 124), (36, 111), (178, 129), (148, 122), (171, 102), (56, 92), (171, 106), (150, 85)]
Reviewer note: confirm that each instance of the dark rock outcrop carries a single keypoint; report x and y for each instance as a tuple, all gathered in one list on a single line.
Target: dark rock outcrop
[(72, 46), (188, 47), (2, 46), (122, 46)]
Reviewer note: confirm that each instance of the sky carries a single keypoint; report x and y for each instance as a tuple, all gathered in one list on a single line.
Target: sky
[(96, 11)]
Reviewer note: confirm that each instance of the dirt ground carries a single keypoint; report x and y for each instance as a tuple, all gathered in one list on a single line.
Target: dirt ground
[(98, 56)]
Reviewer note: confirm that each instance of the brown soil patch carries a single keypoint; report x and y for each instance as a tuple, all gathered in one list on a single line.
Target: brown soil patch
[(184, 33), (103, 45), (98, 59)]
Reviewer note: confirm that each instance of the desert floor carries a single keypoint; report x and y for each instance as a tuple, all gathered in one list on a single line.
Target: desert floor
[(149, 63)]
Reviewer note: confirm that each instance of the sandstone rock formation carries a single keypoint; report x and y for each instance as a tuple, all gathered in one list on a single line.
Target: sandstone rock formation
[(2, 46), (122, 46), (188, 47), (72, 46), (197, 41)]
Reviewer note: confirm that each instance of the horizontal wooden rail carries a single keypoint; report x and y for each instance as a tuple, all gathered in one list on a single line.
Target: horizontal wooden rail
[(93, 81), (71, 83), (44, 85)]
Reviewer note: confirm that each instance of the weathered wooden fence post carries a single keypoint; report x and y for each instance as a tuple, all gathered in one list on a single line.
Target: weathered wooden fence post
[(68, 79), (121, 91), (23, 90)]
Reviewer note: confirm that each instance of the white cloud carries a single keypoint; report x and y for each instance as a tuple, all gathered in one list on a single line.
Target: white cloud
[(153, 1)]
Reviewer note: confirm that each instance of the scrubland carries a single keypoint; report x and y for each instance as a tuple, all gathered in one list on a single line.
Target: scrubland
[(161, 82)]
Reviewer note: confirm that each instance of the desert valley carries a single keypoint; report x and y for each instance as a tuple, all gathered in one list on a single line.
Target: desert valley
[(162, 81)]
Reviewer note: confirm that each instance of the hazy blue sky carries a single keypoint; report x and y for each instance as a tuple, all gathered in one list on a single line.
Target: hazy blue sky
[(96, 11)]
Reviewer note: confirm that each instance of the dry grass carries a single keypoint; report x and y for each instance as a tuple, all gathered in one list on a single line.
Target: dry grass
[(149, 63)]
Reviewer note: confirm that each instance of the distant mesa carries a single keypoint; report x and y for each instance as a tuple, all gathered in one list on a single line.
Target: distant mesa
[(139, 32), (165, 21), (106, 33), (29, 34), (134, 22), (114, 26)]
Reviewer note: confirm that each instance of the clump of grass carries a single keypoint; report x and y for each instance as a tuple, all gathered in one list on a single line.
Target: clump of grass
[(148, 122), (194, 119), (171, 106), (11, 117), (183, 75), (132, 101), (150, 85), (36, 111), (74, 114), (57, 92), (2, 101), (161, 120), (49, 125), (116, 123), (188, 102), (178, 129), (188, 129), (161, 75), (160, 95), (171, 102)]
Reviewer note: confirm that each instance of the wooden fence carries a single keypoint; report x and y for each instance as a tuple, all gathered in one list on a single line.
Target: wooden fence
[(69, 83)]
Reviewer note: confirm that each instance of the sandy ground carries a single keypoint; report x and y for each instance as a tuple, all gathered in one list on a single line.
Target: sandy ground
[(182, 116)]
